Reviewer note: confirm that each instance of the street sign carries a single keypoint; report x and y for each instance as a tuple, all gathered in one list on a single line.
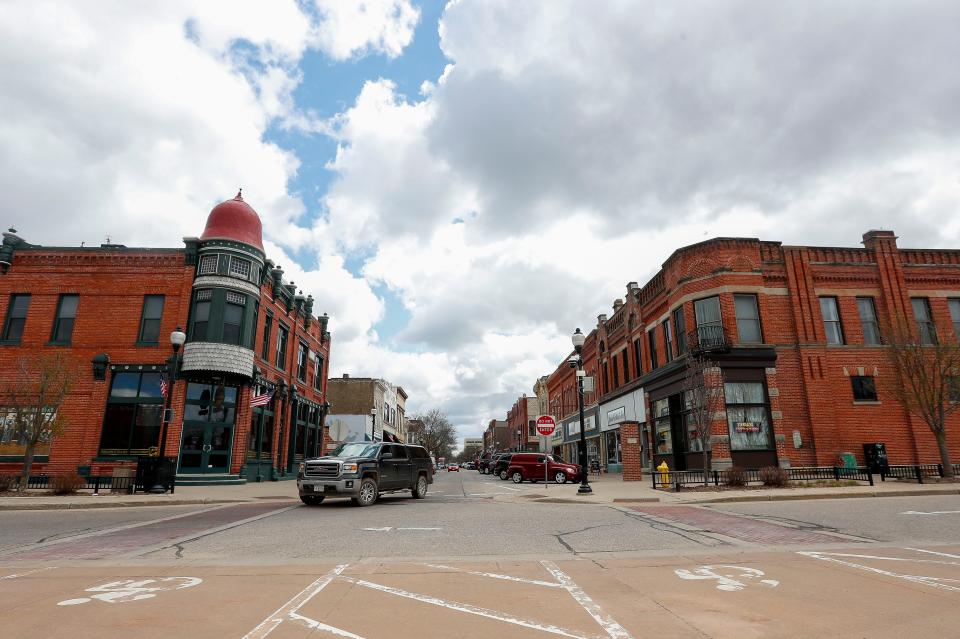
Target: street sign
[(546, 424), (338, 431)]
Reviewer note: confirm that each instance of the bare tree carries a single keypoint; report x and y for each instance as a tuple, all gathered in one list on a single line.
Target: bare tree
[(927, 378), (703, 394), (438, 435), (32, 398)]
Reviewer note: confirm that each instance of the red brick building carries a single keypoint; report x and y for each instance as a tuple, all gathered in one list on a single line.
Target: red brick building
[(521, 419), (111, 311), (795, 331)]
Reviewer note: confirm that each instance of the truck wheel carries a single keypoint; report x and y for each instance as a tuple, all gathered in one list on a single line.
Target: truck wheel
[(368, 493), (517, 477), (312, 500), (560, 478), (420, 490)]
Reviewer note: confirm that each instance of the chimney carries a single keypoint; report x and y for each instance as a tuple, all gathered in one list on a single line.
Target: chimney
[(346, 376), (617, 304), (602, 319), (876, 239), (632, 287)]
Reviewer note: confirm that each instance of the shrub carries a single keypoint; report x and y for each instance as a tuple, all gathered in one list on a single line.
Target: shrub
[(774, 476), (7, 482), (736, 477), (66, 484)]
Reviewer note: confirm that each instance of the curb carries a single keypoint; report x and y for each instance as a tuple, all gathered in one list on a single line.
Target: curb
[(120, 504), (802, 497)]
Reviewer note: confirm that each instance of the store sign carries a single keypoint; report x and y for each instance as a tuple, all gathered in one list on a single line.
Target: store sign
[(747, 427), (617, 415)]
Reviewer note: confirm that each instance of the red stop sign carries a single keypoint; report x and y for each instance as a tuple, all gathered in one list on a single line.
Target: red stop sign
[(546, 424)]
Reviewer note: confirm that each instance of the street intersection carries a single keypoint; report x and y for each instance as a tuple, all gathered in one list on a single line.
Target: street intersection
[(464, 562)]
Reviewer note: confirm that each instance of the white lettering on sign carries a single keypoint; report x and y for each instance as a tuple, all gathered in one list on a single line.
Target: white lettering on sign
[(728, 577), (133, 590), (616, 415)]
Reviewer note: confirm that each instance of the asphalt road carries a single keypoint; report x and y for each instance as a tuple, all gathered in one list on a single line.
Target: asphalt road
[(462, 563)]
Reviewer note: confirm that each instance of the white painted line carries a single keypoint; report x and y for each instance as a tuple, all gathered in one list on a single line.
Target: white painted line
[(612, 628), (286, 611), (933, 582), (493, 575), (462, 607), (424, 528), (383, 529), (933, 552), (29, 572), (933, 512), (319, 625), (904, 559)]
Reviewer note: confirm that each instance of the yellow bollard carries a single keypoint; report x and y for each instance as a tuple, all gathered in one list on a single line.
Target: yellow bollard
[(664, 474)]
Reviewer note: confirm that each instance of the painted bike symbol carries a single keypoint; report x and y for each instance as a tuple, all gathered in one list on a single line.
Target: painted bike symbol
[(132, 590), (728, 577)]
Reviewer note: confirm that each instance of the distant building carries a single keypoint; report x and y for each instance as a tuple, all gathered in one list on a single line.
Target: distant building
[(497, 436), (472, 446), (366, 409)]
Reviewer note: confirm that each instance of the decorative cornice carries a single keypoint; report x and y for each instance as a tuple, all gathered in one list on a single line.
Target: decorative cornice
[(169, 258), (221, 281)]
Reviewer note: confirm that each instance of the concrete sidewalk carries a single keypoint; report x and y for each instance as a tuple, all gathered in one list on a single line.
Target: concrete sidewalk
[(611, 489), (184, 496), (607, 489)]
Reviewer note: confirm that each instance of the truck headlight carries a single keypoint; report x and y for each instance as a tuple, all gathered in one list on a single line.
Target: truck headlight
[(349, 468)]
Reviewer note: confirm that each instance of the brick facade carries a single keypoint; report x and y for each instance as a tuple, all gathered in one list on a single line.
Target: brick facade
[(111, 282), (806, 382)]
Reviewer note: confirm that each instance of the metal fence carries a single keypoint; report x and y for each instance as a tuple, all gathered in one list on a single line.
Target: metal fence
[(96, 483), (915, 471), (677, 479)]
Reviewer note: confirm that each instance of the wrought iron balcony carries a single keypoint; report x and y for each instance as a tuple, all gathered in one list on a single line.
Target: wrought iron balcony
[(708, 339)]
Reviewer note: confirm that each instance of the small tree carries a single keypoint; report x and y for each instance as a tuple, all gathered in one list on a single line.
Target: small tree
[(438, 435), (927, 371), (32, 397), (703, 394)]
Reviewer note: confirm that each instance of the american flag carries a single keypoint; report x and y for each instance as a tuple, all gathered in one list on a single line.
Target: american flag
[(261, 400), (163, 387)]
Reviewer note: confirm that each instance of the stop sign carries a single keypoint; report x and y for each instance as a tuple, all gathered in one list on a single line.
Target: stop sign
[(546, 424)]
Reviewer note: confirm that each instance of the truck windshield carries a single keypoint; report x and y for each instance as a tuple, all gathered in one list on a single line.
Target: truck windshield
[(356, 449)]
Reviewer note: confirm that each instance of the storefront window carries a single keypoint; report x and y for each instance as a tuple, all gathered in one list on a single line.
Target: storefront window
[(663, 441), (694, 442), (613, 446), (747, 416), (134, 413), (211, 403)]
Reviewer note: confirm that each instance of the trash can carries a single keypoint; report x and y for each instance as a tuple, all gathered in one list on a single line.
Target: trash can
[(875, 454), (121, 479)]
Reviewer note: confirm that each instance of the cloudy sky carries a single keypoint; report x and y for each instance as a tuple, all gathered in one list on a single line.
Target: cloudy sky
[(462, 184)]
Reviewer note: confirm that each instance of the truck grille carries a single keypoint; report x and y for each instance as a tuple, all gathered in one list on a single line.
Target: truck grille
[(322, 469)]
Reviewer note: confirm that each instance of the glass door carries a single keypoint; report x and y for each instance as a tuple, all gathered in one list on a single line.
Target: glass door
[(208, 427)]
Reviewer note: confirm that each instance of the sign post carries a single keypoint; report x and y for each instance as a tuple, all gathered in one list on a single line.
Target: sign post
[(546, 424)]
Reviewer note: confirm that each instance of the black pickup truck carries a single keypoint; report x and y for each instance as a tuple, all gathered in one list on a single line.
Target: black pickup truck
[(364, 470)]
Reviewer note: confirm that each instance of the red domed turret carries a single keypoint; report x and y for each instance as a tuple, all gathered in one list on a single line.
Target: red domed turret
[(234, 220)]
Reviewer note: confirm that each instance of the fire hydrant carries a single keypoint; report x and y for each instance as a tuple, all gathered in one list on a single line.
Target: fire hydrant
[(664, 474)]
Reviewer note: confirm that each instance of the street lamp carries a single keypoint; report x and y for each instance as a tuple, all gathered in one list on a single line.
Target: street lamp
[(578, 339), (177, 338), (373, 417)]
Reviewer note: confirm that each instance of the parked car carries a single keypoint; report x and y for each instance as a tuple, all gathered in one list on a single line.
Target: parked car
[(483, 463), (363, 471), (453, 468), (503, 463), (469, 466), (536, 466)]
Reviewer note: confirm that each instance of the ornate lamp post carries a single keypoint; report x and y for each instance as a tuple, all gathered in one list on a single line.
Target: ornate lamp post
[(177, 338), (578, 339)]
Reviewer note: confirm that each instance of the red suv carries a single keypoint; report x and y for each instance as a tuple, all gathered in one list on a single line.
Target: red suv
[(536, 466)]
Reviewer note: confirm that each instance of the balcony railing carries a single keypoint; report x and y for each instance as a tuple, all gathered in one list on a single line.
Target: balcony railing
[(708, 339)]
